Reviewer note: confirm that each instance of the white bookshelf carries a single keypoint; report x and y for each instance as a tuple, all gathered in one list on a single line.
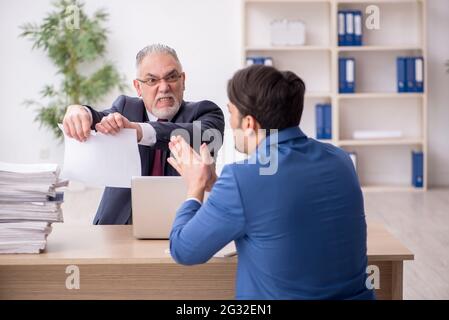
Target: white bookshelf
[(377, 48), (374, 95), (381, 188), (381, 142), (383, 164), (289, 48)]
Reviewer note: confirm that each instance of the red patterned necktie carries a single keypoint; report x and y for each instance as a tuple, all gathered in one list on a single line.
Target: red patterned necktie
[(156, 170)]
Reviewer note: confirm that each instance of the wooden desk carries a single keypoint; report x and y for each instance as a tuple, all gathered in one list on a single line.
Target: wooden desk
[(114, 265)]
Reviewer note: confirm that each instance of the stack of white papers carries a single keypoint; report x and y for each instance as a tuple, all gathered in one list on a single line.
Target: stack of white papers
[(29, 203), (23, 236)]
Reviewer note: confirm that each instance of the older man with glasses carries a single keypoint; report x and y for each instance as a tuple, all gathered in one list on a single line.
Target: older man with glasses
[(155, 114)]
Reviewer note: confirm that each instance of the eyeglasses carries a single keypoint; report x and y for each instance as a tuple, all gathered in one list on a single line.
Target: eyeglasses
[(170, 78)]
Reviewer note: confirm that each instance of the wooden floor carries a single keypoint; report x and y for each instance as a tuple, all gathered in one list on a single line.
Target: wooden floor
[(419, 220)]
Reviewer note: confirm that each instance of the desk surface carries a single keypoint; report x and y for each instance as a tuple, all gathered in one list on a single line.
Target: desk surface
[(116, 245)]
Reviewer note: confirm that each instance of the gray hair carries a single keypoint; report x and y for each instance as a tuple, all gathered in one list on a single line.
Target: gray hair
[(156, 48)]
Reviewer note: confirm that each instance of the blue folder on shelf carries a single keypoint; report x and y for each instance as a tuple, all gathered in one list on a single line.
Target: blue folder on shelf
[(417, 169), (410, 74), (350, 75), (341, 28), (341, 75), (346, 75), (349, 28), (357, 28), (259, 60), (327, 113), (419, 74), (319, 120), (401, 75)]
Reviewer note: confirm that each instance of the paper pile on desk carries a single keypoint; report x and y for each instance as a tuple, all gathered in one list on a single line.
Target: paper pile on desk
[(29, 203)]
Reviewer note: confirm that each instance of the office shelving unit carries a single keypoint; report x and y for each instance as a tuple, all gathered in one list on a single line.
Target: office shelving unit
[(382, 165)]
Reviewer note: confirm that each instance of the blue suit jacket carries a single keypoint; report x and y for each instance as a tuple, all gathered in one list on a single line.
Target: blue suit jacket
[(115, 205), (300, 233)]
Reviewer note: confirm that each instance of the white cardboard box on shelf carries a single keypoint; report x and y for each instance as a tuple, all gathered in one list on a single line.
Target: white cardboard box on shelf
[(287, 33)]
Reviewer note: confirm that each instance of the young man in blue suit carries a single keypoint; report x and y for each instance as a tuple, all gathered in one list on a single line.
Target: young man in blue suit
[(159, 110), (300, 227)]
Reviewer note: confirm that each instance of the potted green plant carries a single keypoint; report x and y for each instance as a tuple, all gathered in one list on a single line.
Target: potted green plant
[(72, 40)]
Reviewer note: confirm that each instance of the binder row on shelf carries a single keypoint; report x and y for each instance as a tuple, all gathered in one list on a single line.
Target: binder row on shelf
[(323, 118), (417, 169), (268, 61), (346, 75), (410, 74), (350, 28)]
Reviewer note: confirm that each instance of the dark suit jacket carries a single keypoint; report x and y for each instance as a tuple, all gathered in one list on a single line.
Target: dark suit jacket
[(115, 205)]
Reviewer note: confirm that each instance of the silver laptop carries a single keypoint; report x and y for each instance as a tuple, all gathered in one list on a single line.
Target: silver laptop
[(155, 201)]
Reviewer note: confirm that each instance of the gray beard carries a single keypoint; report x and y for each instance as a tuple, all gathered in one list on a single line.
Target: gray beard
[(166, 113)]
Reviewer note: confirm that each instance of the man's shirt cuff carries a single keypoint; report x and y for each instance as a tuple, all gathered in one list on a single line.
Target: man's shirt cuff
[(194, 199), (148, 134), (90, 114)]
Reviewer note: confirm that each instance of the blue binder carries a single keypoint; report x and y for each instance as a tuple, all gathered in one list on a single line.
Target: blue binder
[(319, 120), (341, 28), (357, 28), (257, 60), (419, 74), (342, 75), (350, 75), (349, 28), (401, 75), (410, 74), (327, 112), (417, 169)]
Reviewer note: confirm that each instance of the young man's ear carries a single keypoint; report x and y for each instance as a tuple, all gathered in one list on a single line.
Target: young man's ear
[(137, 87), (254, 124), (249, 125)]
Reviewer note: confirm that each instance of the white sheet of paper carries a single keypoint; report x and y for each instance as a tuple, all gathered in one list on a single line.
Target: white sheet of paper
[(103, 160)]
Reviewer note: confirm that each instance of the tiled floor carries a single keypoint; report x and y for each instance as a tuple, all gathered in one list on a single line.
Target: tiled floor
[(421, 222)]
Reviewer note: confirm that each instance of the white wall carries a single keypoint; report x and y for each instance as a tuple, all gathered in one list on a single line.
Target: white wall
[(438, 53), (206, 34)]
